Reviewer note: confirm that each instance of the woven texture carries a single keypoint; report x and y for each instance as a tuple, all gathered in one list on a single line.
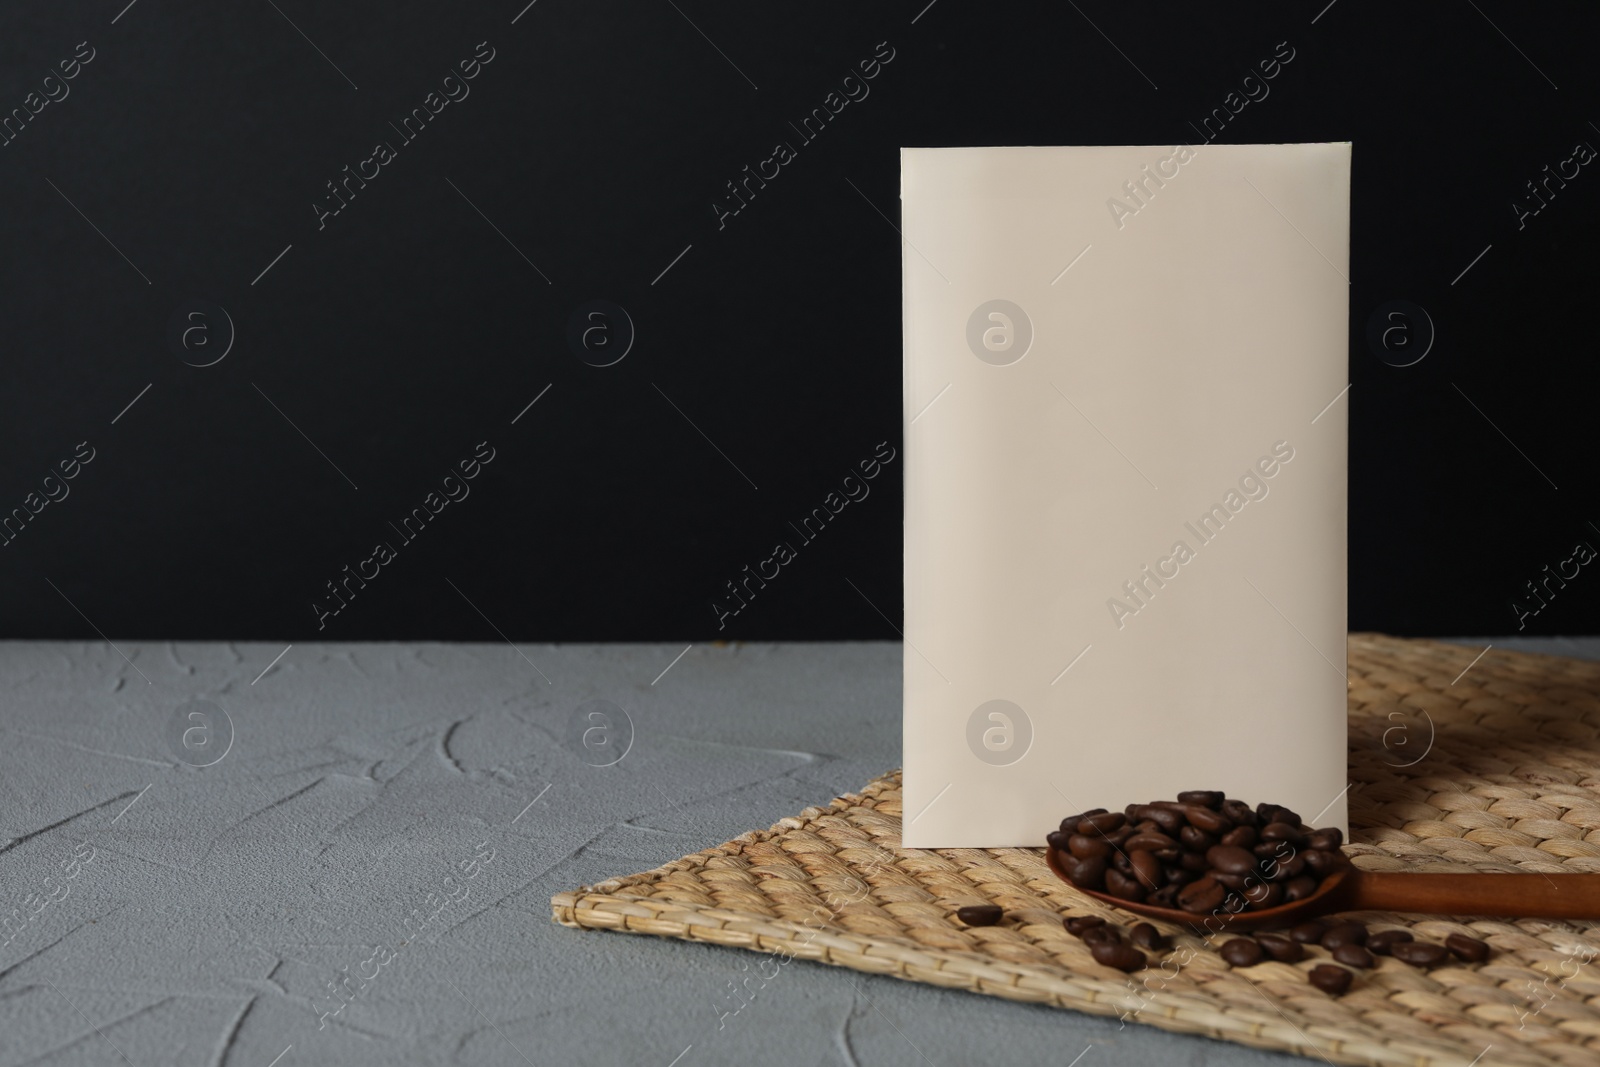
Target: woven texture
[(1493, 769)]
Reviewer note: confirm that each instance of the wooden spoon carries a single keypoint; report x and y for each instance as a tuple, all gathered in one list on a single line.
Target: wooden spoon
[(1561, 896)]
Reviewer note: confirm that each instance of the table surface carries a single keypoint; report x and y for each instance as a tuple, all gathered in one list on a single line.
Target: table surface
[(396, 817)]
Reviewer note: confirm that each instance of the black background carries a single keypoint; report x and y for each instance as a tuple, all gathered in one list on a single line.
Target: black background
[(408, 329)]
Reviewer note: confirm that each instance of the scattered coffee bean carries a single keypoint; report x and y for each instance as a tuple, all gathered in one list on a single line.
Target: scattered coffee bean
[(1419, 953), (1309, 933), (1241, 952), (1330, 979), (1115, 954), (1097, 934), (1281, 948), (979, 914), (1379, 943), (1467, 948), (1345, 933), (1077, 924), (1146, 936), (1352, 955)]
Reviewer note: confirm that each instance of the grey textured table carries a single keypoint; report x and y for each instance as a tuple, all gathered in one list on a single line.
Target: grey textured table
[(395, 818)]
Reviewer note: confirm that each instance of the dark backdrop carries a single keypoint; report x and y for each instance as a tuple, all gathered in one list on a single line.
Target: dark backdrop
[(372, 350)]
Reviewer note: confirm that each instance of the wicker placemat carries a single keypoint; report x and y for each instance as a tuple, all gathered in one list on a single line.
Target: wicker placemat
[(1511, 782)]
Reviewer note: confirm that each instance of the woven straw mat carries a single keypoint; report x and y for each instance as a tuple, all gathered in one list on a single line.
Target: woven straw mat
[(1510, 784)]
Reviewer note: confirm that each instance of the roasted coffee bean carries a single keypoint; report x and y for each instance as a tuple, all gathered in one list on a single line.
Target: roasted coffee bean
[(1194, 862), (1282, 831), (1281, 870), (1267, 850), (1330, 979), (1115, 954), (1149, 840), (1089, 873), (1085, 847), (1299, 888), (1345, 933), (1097, 934), (1170, 821), (1381, 942), (1353, 956), (1132, 812), (1056, 840), (1117, 837), (1168, 855), (1077, 924), (1206, 819), (1069, 825), (980, 914), (1165, 897), (1328, 839), (1209, 798), (1242, 952), (1201, 896), (1266, 812), (1235, 882), (1124, 886), (1230, 859), (1264, 895), (1467, 948), (1281, 947), (1239, 813), (1323, 863), (1195, 839), (1240, 837), (1104, 823), (1146, 868), (1419, 953), (1121, 862), (1309, 933), (1146, 936), (1178, 876)]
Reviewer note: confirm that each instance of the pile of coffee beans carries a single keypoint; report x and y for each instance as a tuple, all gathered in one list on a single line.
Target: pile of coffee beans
[(1200, 853)]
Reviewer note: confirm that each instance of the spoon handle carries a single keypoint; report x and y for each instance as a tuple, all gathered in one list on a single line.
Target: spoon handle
[(1531, 895)]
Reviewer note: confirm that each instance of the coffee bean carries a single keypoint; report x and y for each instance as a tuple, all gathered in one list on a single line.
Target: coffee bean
[(1089, 874), (1077, 924), (1069, 825), (1206, 819), (1201, 896), (1210, 798), (1267, 850), (1124, 886), (1345, 933), (1353, 956), (1419, 953), (1239, 813), (1120, 860), (1263, 895), (1330, 979), (1146, 936), (1234, 882), (1149, 840), (1328, 839), (1103, 823), (1467, 948), (1147, 869), (1323, 863), (1094, 935), (1179, 876), (1309, 932), (1230, 859), (1241, 952), (1170, 821), (1282, 831), (1381, 942), (1085, 847), (1299, 888), (1132, 812), (1114, 954), (1281, 948), (979, 914), (1195, 839), (1165, 897), (1240, 837), (1194, 862), (1056, 840)]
